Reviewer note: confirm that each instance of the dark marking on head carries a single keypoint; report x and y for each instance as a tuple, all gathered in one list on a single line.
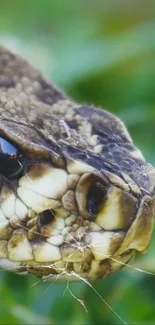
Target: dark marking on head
[(49, 94), (6, 82)]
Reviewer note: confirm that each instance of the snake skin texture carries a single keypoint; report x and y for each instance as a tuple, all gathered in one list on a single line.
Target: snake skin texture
[(83, 204)]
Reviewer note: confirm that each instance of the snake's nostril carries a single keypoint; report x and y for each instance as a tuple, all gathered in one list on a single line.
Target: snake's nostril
[(96, 195), (46, 217)]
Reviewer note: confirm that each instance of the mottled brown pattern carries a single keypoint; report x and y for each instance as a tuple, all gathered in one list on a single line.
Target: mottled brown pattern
[(84, 144), (40, 117)]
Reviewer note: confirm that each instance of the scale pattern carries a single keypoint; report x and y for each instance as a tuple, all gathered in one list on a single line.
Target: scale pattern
[(84, 204)]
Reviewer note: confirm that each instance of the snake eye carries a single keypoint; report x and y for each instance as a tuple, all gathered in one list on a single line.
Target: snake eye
[(96, 195), (11, 159)]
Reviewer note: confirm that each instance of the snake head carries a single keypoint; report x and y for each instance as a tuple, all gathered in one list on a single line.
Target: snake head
[(76, 195)]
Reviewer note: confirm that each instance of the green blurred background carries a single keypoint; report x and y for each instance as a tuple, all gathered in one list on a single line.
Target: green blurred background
[(100, 52)]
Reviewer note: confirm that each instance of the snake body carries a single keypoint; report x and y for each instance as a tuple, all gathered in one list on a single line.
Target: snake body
[(81, 205)]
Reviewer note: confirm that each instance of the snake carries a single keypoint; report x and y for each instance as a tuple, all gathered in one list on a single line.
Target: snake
[(76, 195)]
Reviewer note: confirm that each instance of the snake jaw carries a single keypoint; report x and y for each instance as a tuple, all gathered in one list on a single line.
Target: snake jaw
[(81, 223)]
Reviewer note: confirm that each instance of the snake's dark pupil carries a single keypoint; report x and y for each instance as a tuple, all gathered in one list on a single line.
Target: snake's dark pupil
[(96, 195), (46, 217), (11, 159)]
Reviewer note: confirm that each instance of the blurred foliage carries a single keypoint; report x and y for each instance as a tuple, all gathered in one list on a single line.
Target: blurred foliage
[(100, 52)]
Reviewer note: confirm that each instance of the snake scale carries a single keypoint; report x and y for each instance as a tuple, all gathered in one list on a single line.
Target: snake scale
[(76, 195)]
